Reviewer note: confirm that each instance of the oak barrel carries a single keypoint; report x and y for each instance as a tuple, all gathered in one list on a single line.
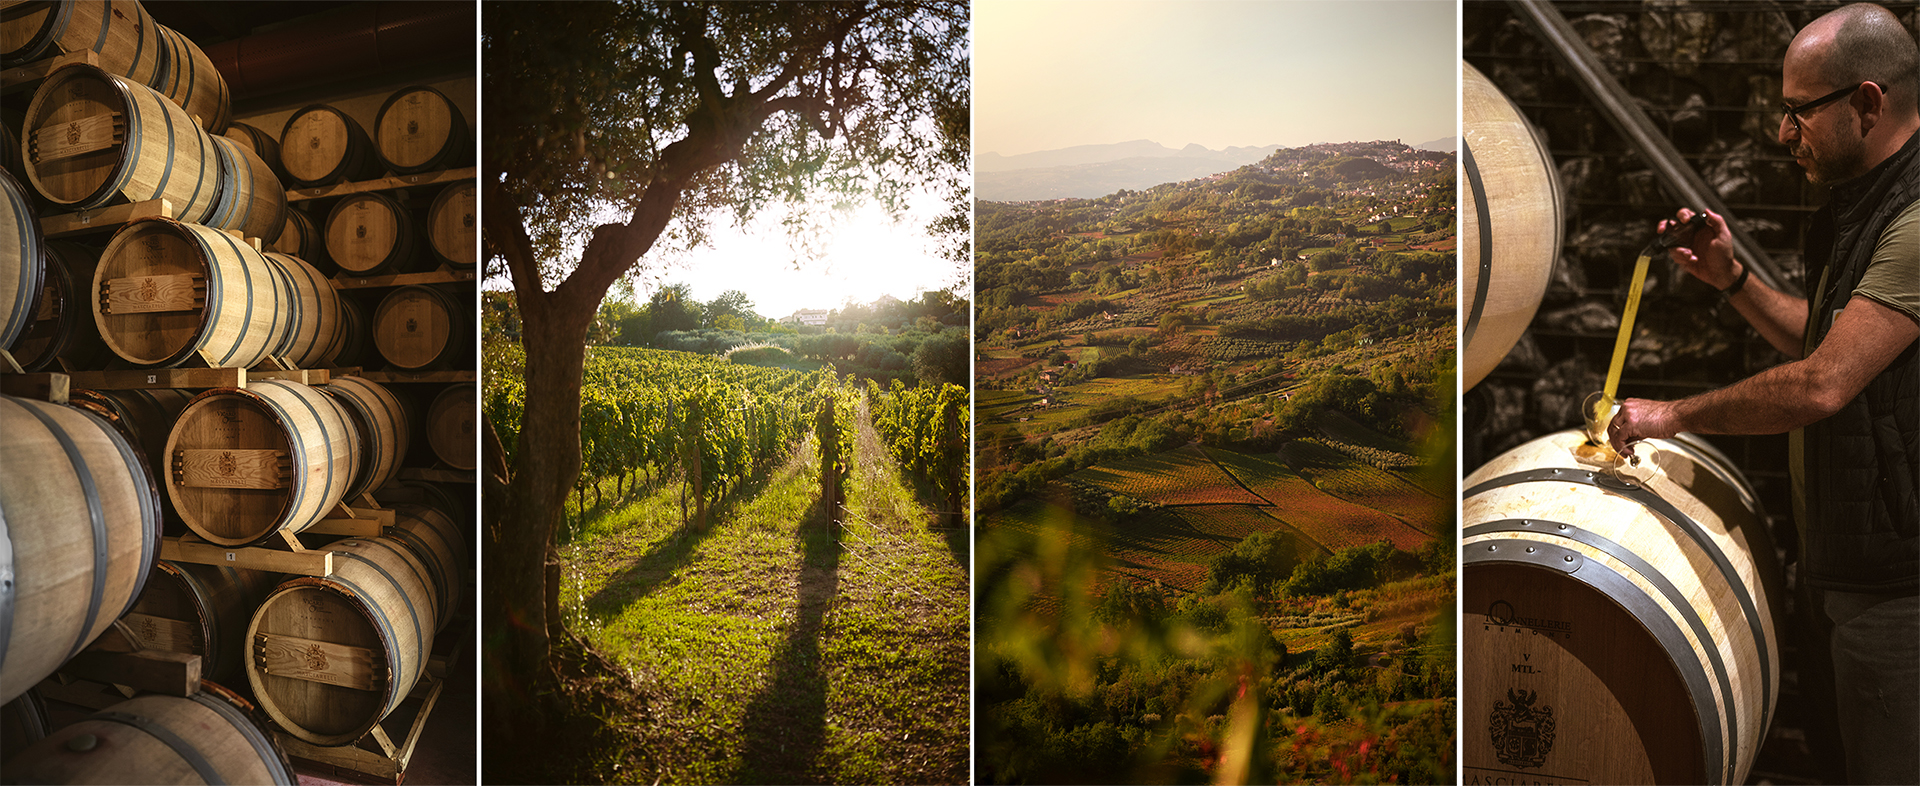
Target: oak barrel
[(370, 233), (167, 290), (245, 463), (417, 326), (321, 145), (144, 418), (189, 80), (1616, 631), (126, 39), (156, 739), (334, 655), (383, 425), (450, 225), (418, 130), (94, 138), (300, 237), (436, 541), (79, 530), (252, 201), (356, 330), (263, 144), (23, 722), (1510, 223), (22, 268), (62, 324), (316, 331), (201, 609), (450, 426)]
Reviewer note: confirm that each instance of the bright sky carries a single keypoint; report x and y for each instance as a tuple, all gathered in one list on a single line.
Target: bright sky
[(1050, 74), (858, 254)]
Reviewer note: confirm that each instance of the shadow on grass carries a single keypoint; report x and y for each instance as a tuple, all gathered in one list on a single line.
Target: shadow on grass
[(649, 571), (784, 729)]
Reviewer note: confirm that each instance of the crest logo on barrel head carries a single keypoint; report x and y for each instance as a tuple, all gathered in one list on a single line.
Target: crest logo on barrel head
[(313, 143), (1522, 735), (413, 325), (413, 127), (148, 291), (73, 133), (226, 464), (467, 220), (316, 660), (360, 232)]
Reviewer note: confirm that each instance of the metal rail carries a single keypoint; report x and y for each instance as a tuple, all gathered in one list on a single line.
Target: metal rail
[(1626, 117)]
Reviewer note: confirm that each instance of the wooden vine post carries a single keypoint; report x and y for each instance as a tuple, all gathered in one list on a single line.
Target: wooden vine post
[(691, 458), (954, 444), (829, 439)]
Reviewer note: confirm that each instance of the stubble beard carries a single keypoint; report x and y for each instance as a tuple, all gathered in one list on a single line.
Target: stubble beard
[(1841, 160)]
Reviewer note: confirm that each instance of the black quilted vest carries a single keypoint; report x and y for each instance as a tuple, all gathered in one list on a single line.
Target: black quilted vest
[(1863, 463)]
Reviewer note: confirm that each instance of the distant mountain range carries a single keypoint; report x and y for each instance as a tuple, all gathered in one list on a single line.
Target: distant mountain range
[(1445, 144), (1087, 171)]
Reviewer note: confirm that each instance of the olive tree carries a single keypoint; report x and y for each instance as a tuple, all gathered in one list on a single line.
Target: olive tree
[(613, 133)]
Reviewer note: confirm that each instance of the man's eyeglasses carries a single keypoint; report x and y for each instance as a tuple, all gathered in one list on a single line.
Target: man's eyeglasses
[(1794, 112)]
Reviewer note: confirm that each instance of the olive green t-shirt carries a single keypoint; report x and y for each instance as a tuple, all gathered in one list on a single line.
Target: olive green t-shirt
[(1892, 279)]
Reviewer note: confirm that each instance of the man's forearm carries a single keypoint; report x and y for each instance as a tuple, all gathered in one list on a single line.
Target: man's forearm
[(1780, 318)]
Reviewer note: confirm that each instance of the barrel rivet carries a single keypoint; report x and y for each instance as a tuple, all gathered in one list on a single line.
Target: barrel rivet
[(1568, 558), (81, 743), (1529, 549), (1563, 528), (1491, 547)]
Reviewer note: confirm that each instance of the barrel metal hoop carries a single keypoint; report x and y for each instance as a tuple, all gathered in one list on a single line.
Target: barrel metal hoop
[(425, 554), (382, 627), (299, 444), (246, 277), (1636, 602), (1483, 214), (1651, 501), (7, 584), (184, 749), (149, 506), (94, 513), (269, 754), (1642, 606), (426, 581)]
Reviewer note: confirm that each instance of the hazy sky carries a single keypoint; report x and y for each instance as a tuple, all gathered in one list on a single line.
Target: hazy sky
[(1055, 73)]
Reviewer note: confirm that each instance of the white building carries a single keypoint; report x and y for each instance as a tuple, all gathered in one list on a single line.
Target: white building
[(812, 317)]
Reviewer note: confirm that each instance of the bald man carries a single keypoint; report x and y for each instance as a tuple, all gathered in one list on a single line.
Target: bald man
[(1851, 397)]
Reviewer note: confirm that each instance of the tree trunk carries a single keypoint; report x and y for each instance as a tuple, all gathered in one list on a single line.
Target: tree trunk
[(544, 471)]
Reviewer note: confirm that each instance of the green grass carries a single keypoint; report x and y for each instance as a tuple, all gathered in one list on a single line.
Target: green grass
[(786, 655)]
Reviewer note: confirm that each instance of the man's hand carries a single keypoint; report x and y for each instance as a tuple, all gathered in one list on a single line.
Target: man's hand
[(1640, 419), (1708, 255)]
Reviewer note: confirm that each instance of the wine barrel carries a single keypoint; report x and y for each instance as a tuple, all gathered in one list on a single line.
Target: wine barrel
[(85, 530), (23, 722), (434, 538), (126, 39), (321, 145), (300, 237), (370, 233), (450, 225), (94, 138), (246, 463), (416, 327), (356, 331), (450, 426), (189, 80), (168, 290), (156, 739), (62, 324), (263, 144), (143, 418), (334, 655), (418, 130), (1510, 222), (252, 200), (315, 333), (384, 429), (200, 609), (1617, 631), (22, 266)]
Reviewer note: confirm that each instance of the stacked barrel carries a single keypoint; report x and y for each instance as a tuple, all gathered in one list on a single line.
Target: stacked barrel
[(145, 225)]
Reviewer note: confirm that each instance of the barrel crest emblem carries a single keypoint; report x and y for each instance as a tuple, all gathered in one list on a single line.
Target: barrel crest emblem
[(316, 660), (1522, 735)]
